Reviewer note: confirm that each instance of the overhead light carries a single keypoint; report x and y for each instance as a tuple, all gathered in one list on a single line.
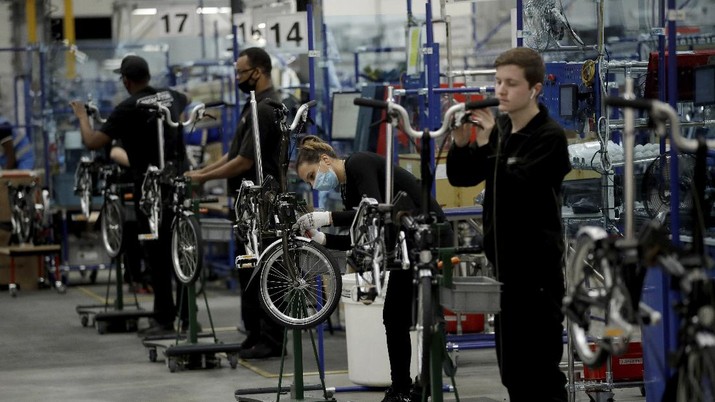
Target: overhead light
[(262, 25), (144, 11), (213, 10)]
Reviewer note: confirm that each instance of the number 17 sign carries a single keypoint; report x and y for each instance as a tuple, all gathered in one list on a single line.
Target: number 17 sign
[(288, 32)]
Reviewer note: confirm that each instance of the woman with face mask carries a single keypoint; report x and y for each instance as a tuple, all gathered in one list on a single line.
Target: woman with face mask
[(363, 174)]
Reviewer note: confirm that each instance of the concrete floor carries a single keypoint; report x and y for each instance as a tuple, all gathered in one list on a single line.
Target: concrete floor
[(46, 354)]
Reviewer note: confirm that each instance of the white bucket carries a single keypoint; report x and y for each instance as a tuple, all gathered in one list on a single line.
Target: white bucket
[(368, 363)]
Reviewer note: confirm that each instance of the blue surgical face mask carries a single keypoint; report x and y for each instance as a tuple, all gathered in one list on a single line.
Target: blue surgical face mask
[(326, 181)]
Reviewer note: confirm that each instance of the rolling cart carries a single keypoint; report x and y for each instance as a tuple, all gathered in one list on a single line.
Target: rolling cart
[(116, 212)]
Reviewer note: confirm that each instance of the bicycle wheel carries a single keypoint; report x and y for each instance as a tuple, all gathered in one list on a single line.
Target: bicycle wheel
[(306, 295), (586, 304), (186, 253), (425, 325), (112, 225)]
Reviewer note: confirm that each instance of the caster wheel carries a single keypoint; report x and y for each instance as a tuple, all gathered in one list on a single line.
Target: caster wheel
[(13, 292), (152, 355), (642, 388), (101, 327), (172, 364), (233, 360), (84, 320)]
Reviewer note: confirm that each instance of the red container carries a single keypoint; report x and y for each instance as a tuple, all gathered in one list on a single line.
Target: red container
[(471, 323), (626, 367)]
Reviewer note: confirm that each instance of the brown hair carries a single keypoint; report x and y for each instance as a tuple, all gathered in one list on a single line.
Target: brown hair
[(528, 59), (310, 149)]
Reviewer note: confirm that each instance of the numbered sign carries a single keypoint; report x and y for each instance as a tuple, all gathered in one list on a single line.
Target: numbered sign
[(175, 21), (249, 33), (287, 32)]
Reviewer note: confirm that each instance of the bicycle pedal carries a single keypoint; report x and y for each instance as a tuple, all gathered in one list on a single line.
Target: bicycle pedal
[(246, 261), (147, 236)]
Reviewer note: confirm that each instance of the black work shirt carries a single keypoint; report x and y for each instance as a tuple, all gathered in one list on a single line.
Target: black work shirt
[(365, 176), (243, 144), (136, 129), (524, 172)]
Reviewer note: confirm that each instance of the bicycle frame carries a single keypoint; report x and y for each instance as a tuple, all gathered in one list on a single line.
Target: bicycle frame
[(371, 218), (622, 262)]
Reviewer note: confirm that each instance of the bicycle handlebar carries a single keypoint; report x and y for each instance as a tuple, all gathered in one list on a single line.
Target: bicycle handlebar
[(302, 114), (93, 111), (660, 111), (402, 113), (197, 113)]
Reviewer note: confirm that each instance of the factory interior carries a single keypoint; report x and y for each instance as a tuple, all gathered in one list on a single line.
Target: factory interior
[(374, 200)]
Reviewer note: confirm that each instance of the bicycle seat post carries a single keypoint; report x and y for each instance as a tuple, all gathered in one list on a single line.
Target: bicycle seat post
[(389, 148), (256, 139)]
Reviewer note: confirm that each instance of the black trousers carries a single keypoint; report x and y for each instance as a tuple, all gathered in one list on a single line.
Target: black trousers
[(157, 255), (259, 326), (397, 317), (529, 342)]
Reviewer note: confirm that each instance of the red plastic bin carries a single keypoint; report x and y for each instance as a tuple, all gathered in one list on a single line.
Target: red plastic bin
[(471, 323), (626, 367)]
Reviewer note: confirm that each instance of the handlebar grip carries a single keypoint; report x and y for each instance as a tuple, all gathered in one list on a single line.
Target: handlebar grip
[(274, 103), (481, 104), (380, 104), (615, 101), (311, 103), (207, 200), (208, 105)]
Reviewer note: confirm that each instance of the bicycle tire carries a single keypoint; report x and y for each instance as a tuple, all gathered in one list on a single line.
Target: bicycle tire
[(186, 251), (590, 284), (292, 299), (112, 226), (425, 325)]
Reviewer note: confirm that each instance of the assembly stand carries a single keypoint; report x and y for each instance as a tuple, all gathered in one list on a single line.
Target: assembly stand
[(196, 350), (297, 389), (113, 318)]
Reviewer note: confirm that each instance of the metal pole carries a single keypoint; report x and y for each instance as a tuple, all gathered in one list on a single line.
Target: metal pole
[(389, 145), (256, 139), (628, 151), (311, 63)]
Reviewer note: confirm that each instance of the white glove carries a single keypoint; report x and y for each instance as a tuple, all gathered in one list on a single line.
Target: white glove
[(317, 236), (312, 220)]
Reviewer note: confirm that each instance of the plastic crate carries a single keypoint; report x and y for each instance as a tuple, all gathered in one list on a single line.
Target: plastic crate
[(626, 367), (470, 323), (472, 294), (216, 229)]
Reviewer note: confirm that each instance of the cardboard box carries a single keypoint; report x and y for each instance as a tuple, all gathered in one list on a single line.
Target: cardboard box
[(26, 271), (447, 195), (15, 177)]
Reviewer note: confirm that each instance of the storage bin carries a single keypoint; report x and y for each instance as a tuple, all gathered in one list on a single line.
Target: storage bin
[(472, 294), (626, 367), (216, 229)]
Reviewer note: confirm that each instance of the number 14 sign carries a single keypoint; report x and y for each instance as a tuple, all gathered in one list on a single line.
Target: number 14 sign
[(288, 32)]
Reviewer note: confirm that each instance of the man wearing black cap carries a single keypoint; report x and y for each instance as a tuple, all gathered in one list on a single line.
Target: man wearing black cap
[(136, 129)]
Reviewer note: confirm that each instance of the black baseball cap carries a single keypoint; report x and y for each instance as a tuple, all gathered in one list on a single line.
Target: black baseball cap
[(135, 68)]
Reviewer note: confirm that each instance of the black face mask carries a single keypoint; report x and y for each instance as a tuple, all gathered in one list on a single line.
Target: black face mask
[(246, 86)]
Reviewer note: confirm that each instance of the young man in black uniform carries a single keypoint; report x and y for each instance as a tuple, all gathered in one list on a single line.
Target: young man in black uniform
[(523, 156), (253, 73), (363, 174), (137, 131)]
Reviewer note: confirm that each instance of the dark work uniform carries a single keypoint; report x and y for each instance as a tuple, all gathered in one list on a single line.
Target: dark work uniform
[(365, 175), (259, 326), (137, 130), (523, 239)]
